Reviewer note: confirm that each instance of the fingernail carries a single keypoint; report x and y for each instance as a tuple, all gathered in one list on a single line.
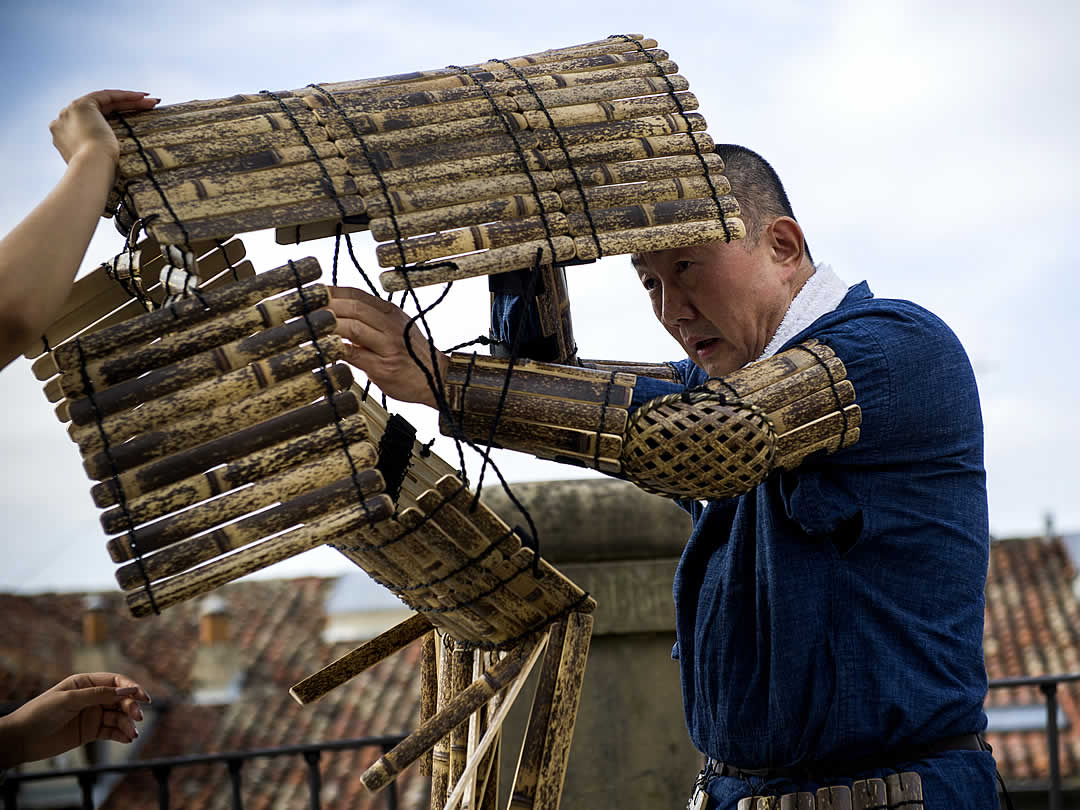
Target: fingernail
[(138, 713), (135, 731), (125, 691)]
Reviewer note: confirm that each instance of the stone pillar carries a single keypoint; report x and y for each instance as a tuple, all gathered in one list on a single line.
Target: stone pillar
[(630, 747)]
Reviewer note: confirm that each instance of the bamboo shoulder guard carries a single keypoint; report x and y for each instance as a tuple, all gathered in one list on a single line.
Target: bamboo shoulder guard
[(716, 441)]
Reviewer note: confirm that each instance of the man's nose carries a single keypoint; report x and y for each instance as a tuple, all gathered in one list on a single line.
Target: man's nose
[(676, 306)]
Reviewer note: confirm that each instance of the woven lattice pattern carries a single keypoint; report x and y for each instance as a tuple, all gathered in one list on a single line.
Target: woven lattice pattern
[(697, 443)]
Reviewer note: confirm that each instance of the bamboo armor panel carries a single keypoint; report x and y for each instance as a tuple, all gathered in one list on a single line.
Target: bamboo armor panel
[(452, 559), (224, 419), (224, 437), (212, 423), (558, 156), (714, 442)]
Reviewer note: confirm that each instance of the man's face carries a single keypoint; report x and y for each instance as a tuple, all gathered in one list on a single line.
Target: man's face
[(722, 302)]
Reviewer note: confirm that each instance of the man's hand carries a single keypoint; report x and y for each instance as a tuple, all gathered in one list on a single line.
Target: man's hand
[(82, 125), (376, 331), (81, 708)]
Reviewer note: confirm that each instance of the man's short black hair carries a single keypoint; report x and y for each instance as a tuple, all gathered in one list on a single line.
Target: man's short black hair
[(757, 187)]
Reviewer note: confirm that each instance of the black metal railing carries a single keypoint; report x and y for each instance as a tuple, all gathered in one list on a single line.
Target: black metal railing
[(234, 761), (1048, 685), (312, 753)]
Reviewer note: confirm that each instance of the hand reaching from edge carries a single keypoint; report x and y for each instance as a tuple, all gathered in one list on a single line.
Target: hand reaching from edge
[(375, 331), (81, 708), (82, 125)]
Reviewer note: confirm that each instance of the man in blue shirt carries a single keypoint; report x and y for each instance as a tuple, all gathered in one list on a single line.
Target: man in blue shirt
[(829, 618)]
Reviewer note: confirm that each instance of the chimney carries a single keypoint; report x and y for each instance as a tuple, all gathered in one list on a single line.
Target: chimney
[(97, 652), (93, 620), (217, 672), (213, 621)]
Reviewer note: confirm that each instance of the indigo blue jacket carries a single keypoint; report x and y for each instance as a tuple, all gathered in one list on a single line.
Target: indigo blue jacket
[(835, 611)]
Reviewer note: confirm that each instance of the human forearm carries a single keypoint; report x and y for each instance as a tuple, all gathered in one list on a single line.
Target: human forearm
[(714, 442), (39, 258), (11, 746)]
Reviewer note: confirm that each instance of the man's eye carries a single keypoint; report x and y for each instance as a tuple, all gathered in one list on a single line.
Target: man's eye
[(683, 265), (648, 283)]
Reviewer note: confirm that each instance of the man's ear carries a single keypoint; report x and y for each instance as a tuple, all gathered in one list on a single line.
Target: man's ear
[(786, 242)]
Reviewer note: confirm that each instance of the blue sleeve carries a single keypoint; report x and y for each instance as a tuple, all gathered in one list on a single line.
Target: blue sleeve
[(921, 425)]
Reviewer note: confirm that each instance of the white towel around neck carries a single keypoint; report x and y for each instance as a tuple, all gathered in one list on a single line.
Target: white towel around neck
[(822, 293)]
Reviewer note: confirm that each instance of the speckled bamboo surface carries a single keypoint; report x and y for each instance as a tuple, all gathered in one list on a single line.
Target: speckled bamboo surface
[(563, 155), (220, 428), (451, 558), (225, 418)]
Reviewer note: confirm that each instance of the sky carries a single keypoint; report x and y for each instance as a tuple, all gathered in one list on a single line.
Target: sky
[(927, 148)]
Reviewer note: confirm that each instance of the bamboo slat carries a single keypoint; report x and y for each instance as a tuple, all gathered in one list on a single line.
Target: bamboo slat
[(237, 473), (185, 554), (193, 370), (429, 686), (254, 558), (133, 308), (361, 659), (198, 459), (225, 420), (188, 312), (457, 709)]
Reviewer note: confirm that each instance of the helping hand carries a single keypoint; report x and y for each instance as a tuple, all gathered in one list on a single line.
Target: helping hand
[(81, 708), (375, 330), (82, 125)]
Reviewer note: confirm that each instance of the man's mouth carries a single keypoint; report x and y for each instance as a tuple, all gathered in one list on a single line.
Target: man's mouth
[(703, 346)]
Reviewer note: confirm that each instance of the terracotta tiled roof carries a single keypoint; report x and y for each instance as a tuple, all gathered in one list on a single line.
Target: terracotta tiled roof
[(1033, 628), (276, 630)]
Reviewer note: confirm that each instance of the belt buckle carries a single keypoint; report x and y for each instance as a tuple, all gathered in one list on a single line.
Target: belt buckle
[(698, 800)]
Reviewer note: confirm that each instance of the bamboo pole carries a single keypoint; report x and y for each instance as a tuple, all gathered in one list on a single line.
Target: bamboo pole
[(254, 558), (456, 710), (527, 774), (429, 688), (361, 659), (440, 751), (238, 472), (280, 488), (188, 312), (178, 466), (560, 727), (208, 395), (463, 660), (221, 421), (500, 260), (659, 237), (186, 554)]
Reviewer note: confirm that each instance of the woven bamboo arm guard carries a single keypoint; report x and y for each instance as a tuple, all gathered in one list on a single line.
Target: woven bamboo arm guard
[(717, 441)]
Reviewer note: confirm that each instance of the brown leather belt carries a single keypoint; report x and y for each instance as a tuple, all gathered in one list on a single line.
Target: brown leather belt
[(963, 742)]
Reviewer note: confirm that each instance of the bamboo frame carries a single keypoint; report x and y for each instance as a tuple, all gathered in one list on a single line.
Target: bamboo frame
[(559, 138)]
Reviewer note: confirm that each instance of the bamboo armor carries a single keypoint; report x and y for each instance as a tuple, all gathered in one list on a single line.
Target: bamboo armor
[(895, 790), (714, 442), (224, 437), (568, 154)]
